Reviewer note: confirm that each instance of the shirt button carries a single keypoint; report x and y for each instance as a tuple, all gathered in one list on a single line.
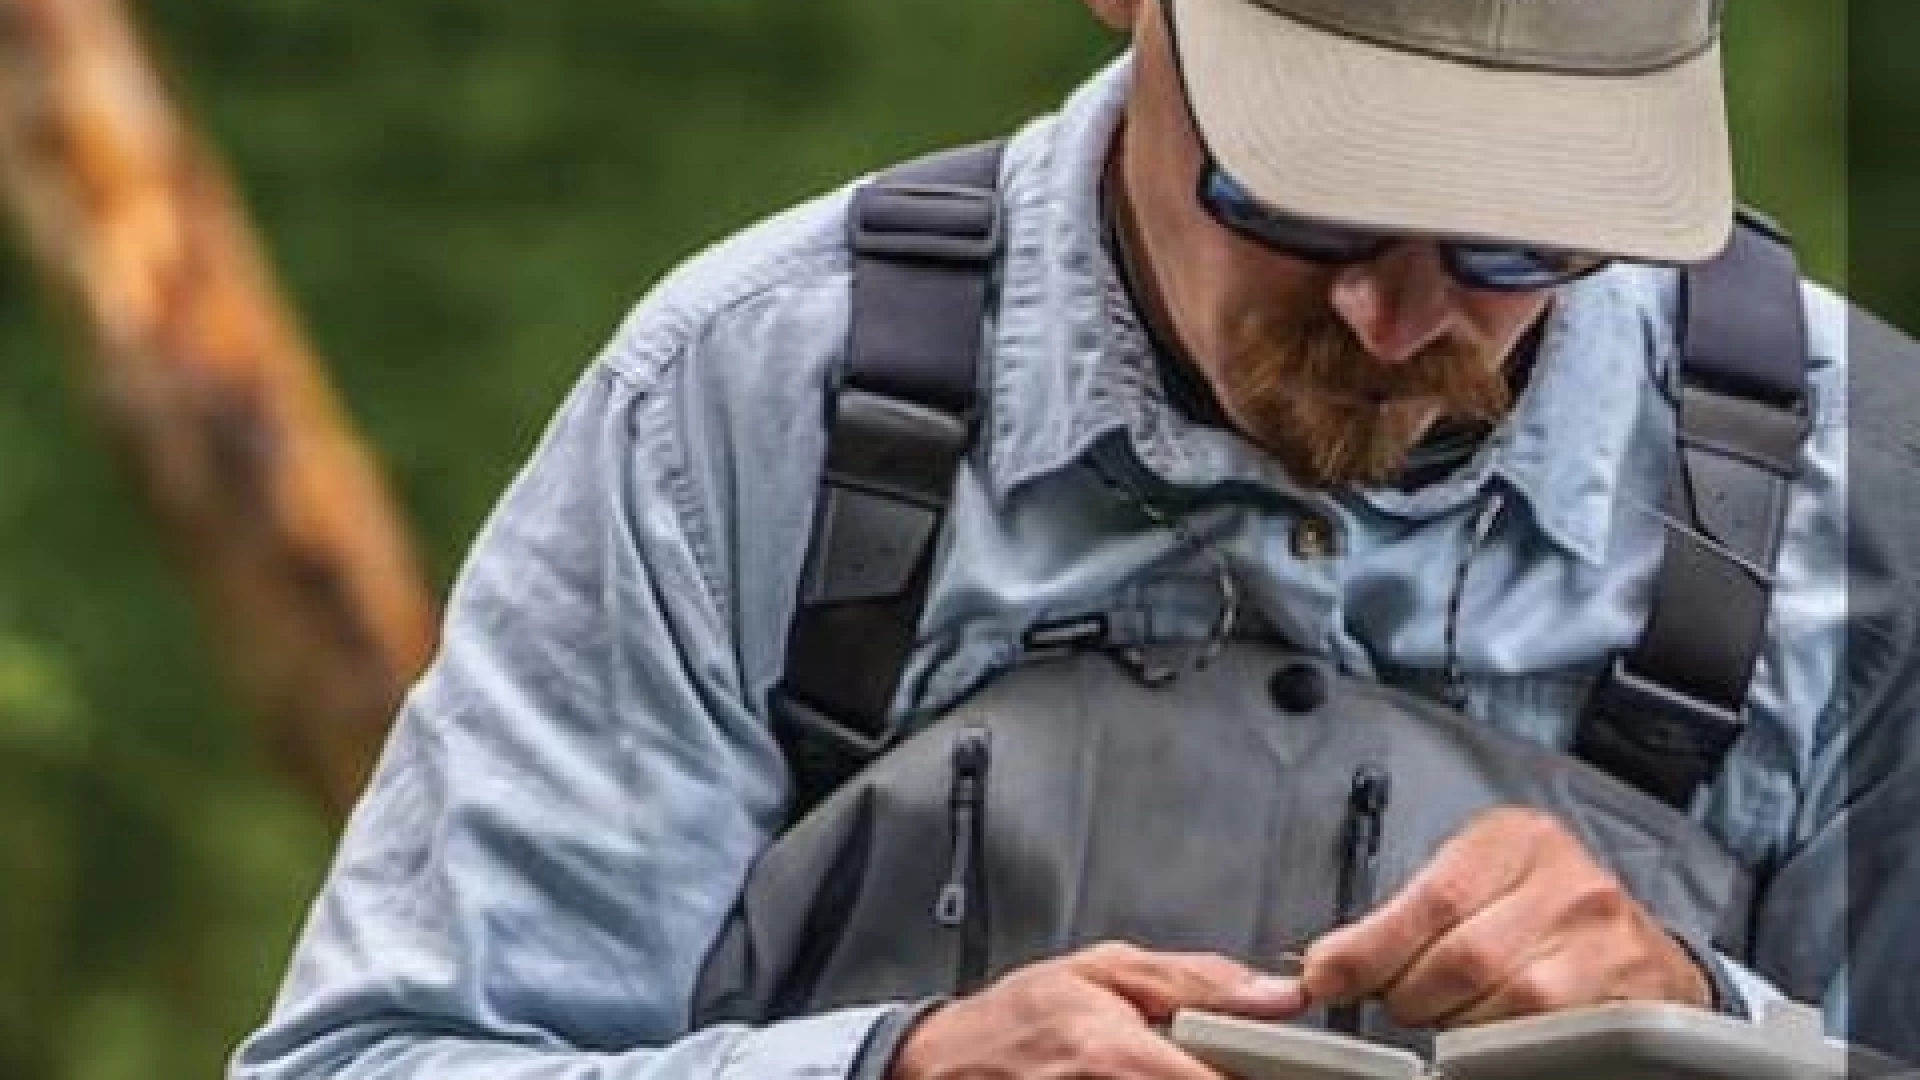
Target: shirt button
[(1313, 538)]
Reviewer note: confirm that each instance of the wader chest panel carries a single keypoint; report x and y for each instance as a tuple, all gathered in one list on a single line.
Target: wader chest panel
[(1068, 804)]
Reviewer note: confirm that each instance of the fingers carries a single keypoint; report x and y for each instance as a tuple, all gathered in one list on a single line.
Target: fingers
[(1158, 984), (1085, 1015), (1488, 859), (989, 1036), (1511, 918), (1551, 982), (1467, 966)]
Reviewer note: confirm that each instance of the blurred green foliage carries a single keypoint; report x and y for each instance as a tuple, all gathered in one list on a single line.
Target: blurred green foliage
[(462, 197)]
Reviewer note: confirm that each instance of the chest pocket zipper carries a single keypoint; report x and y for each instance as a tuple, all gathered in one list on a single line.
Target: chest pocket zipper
[(961, 906)]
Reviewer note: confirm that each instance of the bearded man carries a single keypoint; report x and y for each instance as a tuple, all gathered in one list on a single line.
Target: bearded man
[(1334, 348)]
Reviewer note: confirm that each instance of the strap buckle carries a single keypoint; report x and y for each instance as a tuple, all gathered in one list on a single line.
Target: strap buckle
[(1663, 741), (934, 222), (896, 447), (822, 751), (803, 722)]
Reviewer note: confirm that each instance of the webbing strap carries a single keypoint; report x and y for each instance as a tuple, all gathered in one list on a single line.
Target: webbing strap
[(925, 237), (1666, 713)]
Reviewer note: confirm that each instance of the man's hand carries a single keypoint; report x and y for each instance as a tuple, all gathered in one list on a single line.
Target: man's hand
[(1511, 918), (1088, 1015)]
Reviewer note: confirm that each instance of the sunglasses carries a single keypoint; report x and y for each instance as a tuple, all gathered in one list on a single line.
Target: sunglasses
[(1476, 265)]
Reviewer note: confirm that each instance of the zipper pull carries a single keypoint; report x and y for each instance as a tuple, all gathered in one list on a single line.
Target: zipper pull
[(1360, 865), (1366, 807), (970, 755), (1360, 849)]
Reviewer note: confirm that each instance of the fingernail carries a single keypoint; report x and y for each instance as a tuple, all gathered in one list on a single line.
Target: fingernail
[(1274, 993)]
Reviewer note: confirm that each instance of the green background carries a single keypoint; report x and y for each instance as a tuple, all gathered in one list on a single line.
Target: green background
[(463, 196)]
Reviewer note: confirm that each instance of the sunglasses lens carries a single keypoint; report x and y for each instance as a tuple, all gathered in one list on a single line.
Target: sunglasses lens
[(1488, 266), (1478, 266), (1237, 209)]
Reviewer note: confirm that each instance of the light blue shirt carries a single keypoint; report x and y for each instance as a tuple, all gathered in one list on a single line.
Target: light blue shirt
[(572, 795)]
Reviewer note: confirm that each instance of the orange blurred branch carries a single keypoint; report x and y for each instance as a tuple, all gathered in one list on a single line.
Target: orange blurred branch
[(230, 429)]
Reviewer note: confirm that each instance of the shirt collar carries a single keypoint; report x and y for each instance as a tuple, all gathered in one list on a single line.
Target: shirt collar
[(1564, 446), (1072, 362)]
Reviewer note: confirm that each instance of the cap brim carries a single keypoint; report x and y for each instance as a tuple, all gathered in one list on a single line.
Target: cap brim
[(1332, 127)]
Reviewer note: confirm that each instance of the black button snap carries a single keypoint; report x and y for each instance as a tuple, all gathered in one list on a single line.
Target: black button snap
[(1298, 688)]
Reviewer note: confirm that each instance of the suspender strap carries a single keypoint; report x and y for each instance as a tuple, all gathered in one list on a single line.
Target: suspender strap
[(1665, 715), (925, 237)]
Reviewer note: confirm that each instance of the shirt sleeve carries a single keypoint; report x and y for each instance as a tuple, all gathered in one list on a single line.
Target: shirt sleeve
[(1838, 924), (567, 806)]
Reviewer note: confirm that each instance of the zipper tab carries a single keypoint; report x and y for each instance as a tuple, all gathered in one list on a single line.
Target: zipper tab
[(1366, 807), (965, 804)]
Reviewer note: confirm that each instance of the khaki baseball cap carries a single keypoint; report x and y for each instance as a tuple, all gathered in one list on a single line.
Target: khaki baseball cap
[(1592, 125)]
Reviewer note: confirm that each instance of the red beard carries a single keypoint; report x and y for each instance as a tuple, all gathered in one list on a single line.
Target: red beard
[(1308, 392)]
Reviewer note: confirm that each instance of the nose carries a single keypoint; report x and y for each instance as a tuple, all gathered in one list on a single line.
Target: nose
[(1398, 302)]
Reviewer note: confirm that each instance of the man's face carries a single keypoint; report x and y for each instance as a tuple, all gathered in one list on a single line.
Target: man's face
[(1335, 370)]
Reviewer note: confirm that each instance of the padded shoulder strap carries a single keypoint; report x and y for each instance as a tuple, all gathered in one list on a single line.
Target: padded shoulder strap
[(1665, 715), (925, 237)]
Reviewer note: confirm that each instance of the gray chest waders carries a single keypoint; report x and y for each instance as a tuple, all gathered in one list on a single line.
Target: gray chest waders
[(1068, 803), (1227, 810)]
